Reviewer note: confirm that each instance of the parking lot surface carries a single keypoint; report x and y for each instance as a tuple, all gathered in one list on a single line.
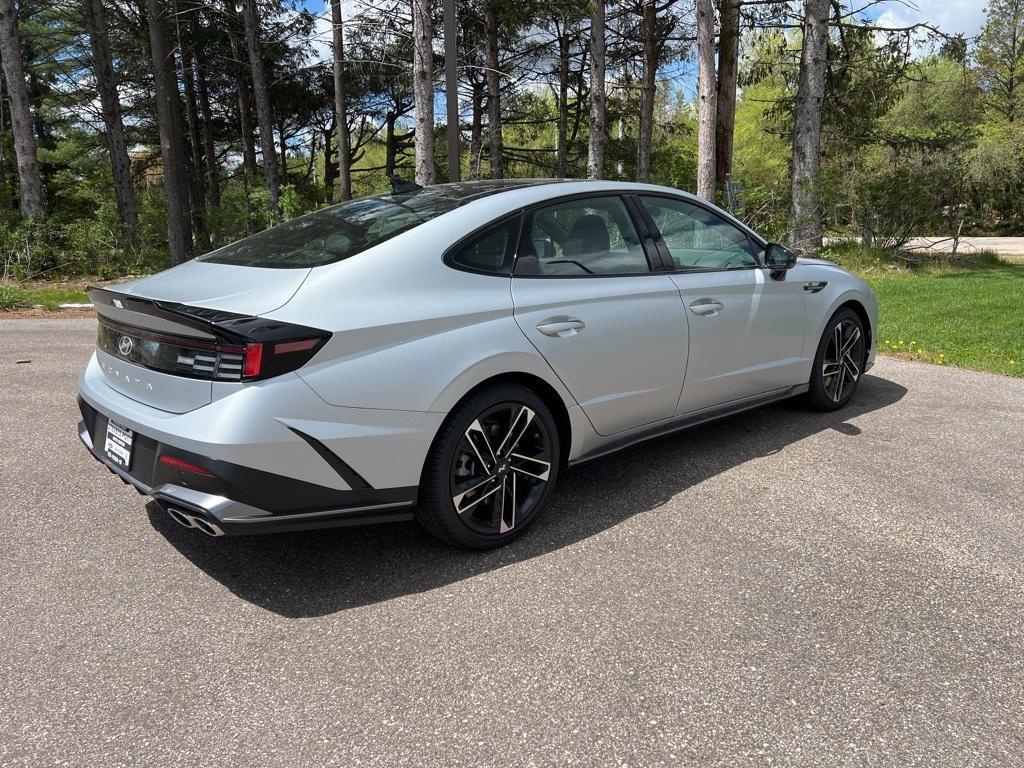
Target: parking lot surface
[(780, 588)]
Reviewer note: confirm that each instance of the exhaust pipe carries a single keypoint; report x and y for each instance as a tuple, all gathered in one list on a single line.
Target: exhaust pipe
[(190, 520)]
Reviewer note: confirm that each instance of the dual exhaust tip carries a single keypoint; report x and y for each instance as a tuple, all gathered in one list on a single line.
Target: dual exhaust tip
[(192, 520)]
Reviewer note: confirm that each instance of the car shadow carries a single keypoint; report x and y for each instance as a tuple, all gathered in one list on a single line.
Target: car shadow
[(315, 573)]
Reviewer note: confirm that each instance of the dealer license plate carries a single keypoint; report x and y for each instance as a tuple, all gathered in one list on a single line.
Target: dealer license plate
[(119, 444)]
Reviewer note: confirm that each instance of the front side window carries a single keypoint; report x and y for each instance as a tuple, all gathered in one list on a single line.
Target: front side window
[(591, 236), (696, 238)]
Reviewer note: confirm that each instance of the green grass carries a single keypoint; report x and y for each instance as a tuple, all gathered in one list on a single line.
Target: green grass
[(12, 297), (52, 296), (966, 312), (971, 318)]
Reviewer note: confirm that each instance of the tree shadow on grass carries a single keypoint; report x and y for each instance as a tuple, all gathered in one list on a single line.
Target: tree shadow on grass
[(315, 573)]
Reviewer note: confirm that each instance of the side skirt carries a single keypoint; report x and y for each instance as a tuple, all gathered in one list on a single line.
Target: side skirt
[(690, 420)]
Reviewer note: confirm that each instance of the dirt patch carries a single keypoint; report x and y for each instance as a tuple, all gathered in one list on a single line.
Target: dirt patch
[(40, 313)]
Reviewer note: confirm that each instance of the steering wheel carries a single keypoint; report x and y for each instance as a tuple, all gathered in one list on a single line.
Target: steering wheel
[(570, 261)]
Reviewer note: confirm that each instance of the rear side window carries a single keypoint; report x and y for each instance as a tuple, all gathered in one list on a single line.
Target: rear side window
[(589, 236), (490, 251), (696, 238)]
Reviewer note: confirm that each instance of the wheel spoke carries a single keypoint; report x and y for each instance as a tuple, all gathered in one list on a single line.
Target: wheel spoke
[(830, 369), (477, 428), (540, 473), (840, 382), (457, 499), (505, 525), (837, 341), (852, 368), (507, 447), (848, 344)]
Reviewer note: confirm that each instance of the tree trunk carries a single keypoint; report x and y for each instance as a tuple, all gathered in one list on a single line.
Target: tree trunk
[(330, 167), (648, 88), (595, 146), (493, 92), (284, 148), (810, 95), (29, 179), (120, 164), (706, 99), (209, 149), (197, 193), (172, 141), (340, 107), (239, 56), (563, 102), (264, 114), (728, 63), (476, 129), (390, 148), (423, 90)]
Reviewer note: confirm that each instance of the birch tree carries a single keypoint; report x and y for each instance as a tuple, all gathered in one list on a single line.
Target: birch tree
[(595, 145)]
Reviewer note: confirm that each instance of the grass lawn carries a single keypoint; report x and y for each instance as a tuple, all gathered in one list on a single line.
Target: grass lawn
[(971, 318)]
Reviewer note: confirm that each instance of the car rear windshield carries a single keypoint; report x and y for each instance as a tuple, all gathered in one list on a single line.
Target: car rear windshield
[(336, 233)]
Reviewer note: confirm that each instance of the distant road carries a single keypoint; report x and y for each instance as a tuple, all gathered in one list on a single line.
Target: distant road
[(1011, 248)]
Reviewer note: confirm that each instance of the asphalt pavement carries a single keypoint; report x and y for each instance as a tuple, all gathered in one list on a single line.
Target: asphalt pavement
[(782, 588)]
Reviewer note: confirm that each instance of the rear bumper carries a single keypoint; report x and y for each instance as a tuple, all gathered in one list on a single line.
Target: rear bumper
[(238, 499)]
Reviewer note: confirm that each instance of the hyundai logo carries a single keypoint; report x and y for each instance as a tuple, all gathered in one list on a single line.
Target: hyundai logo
[(124, 345)]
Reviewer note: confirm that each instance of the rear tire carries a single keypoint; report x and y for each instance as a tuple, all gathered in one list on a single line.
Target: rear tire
[(839, 362), (491, 469)]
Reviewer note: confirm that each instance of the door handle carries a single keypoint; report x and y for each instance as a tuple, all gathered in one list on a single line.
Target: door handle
[(561, 327), (706, 307)]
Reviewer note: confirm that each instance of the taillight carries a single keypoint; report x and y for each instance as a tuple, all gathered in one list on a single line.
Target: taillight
[(253, 360)]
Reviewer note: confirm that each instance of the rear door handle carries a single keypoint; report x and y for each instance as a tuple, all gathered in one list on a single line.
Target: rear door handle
[(561, 327), (706, 307)]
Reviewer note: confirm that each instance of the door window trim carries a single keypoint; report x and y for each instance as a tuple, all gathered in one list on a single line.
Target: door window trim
[(753, 241), (655, 264)]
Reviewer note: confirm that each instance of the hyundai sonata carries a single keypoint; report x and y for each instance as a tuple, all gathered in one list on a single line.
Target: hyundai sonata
[(443, 353)]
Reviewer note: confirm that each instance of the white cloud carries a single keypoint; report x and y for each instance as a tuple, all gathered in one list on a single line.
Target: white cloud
[(963, 17)]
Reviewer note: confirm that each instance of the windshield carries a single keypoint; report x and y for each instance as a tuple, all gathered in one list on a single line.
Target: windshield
[(335, 233)]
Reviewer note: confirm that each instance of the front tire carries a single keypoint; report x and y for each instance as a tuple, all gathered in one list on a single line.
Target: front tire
[(491, 469), (839, 362)]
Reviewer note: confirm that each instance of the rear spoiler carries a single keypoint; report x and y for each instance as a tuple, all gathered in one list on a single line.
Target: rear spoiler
[(228, 327)]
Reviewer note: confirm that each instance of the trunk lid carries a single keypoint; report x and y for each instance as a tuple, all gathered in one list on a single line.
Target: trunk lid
[(167, 339), (243, 290)]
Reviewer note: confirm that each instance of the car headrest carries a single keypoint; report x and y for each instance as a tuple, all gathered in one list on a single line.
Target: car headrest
[(589, 235)]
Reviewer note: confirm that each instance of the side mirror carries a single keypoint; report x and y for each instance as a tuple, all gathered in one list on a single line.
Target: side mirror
[(778, 258)]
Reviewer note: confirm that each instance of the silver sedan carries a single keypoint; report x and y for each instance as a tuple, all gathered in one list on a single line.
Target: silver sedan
[(443, 353)]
